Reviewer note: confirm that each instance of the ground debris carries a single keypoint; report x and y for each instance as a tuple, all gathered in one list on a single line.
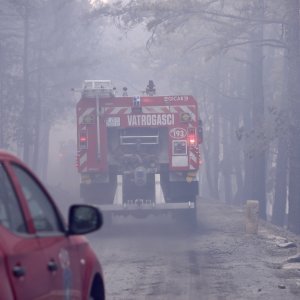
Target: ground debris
[(274, 265), (287, 245), (281, 286), (292, 264), (295, 287), (160, 260), (294, 259)]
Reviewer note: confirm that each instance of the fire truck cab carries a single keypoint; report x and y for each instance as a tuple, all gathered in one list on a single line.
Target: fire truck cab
[(138, 154)]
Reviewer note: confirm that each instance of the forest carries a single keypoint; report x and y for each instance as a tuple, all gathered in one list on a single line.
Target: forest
[(238, 58)]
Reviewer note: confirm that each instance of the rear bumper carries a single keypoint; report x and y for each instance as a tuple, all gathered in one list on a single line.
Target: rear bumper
[(150, 207)]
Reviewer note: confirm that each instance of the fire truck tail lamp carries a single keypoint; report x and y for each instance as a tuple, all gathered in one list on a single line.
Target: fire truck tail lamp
[(192, 140), (192, 136), (83, 140)]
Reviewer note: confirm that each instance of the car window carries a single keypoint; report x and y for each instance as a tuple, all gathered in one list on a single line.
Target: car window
[(11, 215), (44, 216)]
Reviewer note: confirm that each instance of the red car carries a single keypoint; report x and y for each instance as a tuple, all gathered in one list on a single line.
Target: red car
[(41, 257)]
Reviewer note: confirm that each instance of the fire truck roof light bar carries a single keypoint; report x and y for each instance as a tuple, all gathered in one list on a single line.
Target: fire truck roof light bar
[(97, 84), (98, 88)]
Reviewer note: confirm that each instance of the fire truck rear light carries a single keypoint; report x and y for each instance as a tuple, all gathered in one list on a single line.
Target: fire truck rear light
[(192, 140), (83, 140), (192, 136)]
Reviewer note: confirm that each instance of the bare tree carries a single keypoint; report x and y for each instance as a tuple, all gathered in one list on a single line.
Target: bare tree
[(293, 43)]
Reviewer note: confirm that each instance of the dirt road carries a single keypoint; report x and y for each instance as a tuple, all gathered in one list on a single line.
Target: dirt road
[(156, 259)]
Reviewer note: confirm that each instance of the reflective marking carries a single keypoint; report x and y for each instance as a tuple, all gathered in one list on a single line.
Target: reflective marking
[(193, 160), (117, 110), (83, 159), (184, 108), (153, 109), (84, 114)]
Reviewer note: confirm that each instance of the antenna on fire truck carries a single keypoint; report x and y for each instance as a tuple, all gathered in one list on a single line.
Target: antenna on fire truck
[(150, 89), (125, 91)]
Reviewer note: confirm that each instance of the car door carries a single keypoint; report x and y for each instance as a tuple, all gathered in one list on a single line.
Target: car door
[(21, 251), (62, 261)]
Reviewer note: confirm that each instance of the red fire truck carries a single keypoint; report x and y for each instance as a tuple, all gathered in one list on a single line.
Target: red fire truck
[(138, 154)]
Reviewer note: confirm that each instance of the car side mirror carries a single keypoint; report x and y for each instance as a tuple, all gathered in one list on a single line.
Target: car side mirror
[(84, 219)]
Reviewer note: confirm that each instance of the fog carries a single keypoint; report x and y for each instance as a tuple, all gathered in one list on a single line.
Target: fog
[(239, 59)]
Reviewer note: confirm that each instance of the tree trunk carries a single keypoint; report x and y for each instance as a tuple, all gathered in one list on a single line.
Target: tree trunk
[(294, 107), (36, 149), (26, 108), (215, 152), (44, 150), (237, 164), (248, 123), (215, 146), (259, 158), (281, 175), (208, 169), (227, 163), (278, 216)]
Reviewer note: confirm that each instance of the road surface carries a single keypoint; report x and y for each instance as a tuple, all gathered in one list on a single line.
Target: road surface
[(156, 258)]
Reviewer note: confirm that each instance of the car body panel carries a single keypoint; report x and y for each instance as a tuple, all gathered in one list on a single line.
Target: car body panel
[(5, 286), (24, 252), (67, 278), (42, 265), (90, 264)]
